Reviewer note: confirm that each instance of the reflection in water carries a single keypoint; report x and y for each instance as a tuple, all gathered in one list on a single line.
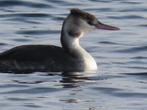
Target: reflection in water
[(76, 81), (68, 79), (73, 79)]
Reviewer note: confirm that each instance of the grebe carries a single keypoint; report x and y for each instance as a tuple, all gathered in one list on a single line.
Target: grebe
[(70, 57)]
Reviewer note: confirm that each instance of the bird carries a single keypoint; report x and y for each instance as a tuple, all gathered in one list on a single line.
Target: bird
[(70, 57)]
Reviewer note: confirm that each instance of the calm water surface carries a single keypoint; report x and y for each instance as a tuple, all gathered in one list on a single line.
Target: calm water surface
[(120, 83)]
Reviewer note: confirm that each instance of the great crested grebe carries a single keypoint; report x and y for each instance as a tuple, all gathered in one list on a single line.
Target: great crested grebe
[(70, 57)]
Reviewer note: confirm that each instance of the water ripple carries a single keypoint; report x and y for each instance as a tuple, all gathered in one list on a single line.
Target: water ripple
[(24, 15), (13, 86), (64, 3), (127, 17), (139, 57), (37, 32), (134, 49), (32, 91), (133, 10), (5, 3), (130, 94), (131, 2), (143, 25), (99, 9), (109, 43), (137, 74), (120, 93), (103, 1)]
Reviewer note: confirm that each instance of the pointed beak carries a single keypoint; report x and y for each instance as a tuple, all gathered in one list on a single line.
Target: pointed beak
[(100, 25)]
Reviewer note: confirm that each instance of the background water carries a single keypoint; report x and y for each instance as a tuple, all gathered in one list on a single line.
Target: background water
[(120, 83)]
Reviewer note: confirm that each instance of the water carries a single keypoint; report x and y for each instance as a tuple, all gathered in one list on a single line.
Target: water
[(120, 83)]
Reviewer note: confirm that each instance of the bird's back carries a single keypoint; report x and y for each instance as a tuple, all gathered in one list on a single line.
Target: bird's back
[(36, 58)]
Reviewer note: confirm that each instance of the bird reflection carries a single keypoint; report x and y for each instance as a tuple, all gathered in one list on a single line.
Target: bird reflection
[(74, 79), (68, 79)]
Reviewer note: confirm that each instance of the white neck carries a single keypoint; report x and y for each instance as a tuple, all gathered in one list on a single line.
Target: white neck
[(72, 47)]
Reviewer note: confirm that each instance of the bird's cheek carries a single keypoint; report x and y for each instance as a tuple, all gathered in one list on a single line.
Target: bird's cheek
[(74, 33)]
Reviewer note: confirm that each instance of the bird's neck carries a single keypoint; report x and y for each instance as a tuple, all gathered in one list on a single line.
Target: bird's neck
[(71, 45), (70, 36)]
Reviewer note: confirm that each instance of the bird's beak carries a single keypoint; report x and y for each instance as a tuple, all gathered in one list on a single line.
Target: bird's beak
[(100, 25)]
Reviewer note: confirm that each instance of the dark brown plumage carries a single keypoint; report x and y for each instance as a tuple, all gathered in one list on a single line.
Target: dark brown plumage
[(82, 14), (30, 58)]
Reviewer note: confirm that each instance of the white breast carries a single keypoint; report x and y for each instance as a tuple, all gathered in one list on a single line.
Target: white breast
[(89, 62)]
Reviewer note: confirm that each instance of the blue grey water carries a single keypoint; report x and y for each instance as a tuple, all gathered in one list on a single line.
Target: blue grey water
[(119, 84)]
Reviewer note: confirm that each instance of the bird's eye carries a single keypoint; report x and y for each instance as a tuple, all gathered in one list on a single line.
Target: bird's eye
[(90, 23)]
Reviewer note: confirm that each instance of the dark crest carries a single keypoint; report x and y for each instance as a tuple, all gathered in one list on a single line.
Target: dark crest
[(82, 14)]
